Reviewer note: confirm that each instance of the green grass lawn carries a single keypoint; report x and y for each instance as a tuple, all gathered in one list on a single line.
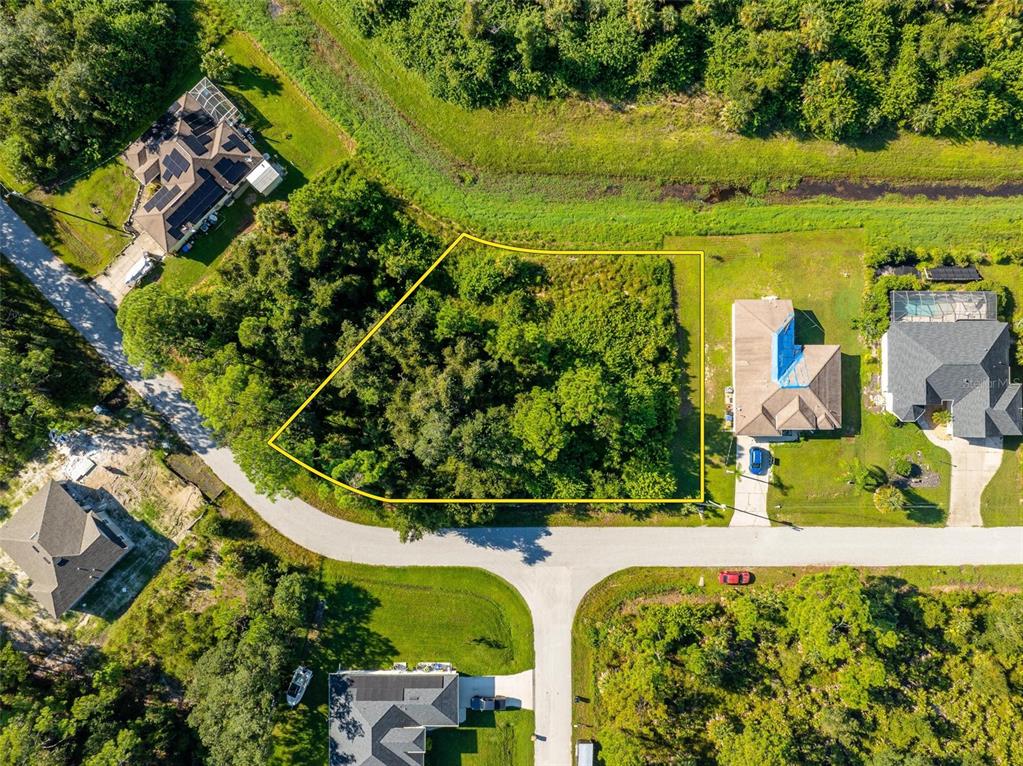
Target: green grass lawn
[(1002, 502), (821, 272), (285, 120), (287, 124), (186, 269), (630, 586), (81, 222), (485, 739)]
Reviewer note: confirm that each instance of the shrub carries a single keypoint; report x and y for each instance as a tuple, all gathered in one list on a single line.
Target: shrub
[(941, 417), (833, 102), (875, 308), (888, 498), (889, 255), (901, 464), (891, 421), (864, 477), (217, 65)]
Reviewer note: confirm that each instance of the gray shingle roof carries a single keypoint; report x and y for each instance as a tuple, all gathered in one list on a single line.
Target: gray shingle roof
[(63, 549), (965, 362), (380, 718)]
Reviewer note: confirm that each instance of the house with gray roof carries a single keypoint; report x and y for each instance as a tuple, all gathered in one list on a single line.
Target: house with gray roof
[(948, 348), (381, 718), (64, 549)]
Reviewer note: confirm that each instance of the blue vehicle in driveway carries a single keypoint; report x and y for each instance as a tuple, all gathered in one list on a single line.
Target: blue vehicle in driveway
[(759, 461)]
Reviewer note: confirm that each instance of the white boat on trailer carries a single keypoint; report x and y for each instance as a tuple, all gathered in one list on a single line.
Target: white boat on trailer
[(299, 681)]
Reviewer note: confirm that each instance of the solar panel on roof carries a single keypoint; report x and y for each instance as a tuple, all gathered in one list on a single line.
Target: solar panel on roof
[(391, 688), (235, 142), (230, 169), (198, 121), (196, 205), (953, 274), (197, 144), (161, 198), (174, 164)]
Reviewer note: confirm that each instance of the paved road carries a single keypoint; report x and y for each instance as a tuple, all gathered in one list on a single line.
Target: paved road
[(552, 568)]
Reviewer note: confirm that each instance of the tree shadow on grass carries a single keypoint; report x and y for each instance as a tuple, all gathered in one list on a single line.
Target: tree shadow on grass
[(921, 510), (346, 642), (253, 78), (852, 400), (43, 224), (449, 745)]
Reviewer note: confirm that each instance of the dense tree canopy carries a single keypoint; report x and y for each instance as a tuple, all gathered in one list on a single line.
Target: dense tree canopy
[(74, 74), (506, 377), (500, 376), (837, 670), (49, 377), (838, 69), (236, 683), (103, 713)]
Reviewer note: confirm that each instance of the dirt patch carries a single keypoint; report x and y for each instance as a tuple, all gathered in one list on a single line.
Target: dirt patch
[(708, 195), (868, 191), (686, 192), (973, 587), (275, 8), (920, 477), (29, 627), (600, 192), (873, 399)]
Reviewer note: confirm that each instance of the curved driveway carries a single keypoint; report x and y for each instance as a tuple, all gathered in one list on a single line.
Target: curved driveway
[(552, 568)]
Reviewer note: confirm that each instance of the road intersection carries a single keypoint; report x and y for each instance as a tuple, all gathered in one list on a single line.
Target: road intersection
[(553, 568)]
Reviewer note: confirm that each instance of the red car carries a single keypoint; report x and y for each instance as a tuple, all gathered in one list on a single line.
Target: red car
[(735, 578)]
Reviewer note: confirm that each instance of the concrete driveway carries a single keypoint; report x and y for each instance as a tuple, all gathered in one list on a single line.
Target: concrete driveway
[(974, 464), (553, 568), (750, 490), (518, 688), (110, 285)]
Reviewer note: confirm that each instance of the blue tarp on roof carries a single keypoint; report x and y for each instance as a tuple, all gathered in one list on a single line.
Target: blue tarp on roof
[(786, 356)]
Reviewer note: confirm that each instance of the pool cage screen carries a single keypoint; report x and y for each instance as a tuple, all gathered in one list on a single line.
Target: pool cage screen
[(214, 102), (941, 305)]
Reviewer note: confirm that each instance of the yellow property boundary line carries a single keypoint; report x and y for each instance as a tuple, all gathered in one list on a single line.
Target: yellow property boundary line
[(272, 441)]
